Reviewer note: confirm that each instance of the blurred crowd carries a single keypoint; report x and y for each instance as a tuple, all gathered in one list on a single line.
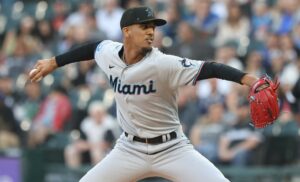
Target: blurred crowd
[(256, 36)]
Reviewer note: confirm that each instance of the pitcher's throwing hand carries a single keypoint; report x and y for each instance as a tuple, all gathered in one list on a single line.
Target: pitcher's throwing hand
[(42, 68)]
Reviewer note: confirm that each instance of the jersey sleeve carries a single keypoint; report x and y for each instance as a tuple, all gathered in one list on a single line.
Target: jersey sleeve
[(181, 71), (100, 50)]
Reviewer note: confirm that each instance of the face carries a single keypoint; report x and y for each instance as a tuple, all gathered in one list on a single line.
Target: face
[(98, 115), (140, 35), (234, 12), (216, 112), (33, 90), (203, 8)]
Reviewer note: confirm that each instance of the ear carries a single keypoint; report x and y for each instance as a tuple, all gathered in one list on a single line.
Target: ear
[(126, 31)]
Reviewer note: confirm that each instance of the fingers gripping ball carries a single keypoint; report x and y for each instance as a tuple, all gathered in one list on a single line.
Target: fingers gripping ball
[(32, 72), (264, 108)]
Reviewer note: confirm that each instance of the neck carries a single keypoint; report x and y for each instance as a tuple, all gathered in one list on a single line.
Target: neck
[(133, 54)]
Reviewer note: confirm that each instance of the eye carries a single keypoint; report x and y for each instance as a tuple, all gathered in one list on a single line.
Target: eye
[(144, 26)]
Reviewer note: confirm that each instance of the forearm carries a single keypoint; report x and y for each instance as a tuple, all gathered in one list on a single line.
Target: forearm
[(222, 71), (195, 135), (249, 144), (224, 153), (82, 53)]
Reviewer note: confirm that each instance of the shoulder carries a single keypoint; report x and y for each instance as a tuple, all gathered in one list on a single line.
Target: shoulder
[(172, 61), (165, 58), (107, 45)]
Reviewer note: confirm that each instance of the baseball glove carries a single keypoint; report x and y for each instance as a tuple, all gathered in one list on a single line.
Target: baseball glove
[(264, 108)]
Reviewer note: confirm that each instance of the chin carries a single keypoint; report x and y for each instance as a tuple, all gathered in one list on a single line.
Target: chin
[(145, 50)]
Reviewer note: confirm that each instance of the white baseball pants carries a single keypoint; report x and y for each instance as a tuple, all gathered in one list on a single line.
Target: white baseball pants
[(175, 160)]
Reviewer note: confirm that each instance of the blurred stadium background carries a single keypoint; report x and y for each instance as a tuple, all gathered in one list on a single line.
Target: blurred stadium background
[(55, 130)]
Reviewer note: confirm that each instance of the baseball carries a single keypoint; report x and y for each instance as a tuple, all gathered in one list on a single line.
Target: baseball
[(32, 72)]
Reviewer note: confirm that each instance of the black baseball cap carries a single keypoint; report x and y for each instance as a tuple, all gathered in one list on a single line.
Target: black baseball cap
[(138, 15)]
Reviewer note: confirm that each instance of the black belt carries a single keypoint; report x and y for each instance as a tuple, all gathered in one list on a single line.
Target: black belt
[(155, 140)]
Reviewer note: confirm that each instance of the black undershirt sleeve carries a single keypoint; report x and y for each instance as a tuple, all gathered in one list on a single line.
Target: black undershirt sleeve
[(82, 53), (296, 89), (212, 69)]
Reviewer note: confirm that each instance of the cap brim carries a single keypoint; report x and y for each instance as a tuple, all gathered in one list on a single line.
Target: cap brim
[(156, 21)]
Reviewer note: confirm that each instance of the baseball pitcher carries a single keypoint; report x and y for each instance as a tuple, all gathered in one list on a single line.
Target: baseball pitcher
[(146, 82)]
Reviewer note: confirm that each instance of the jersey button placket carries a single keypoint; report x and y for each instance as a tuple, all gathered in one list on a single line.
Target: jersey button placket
[(123, 73)]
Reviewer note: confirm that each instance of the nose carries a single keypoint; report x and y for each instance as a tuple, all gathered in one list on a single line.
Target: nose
[(150, 30)]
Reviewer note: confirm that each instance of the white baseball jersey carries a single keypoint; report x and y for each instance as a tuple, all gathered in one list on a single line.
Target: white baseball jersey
[(146, 92)]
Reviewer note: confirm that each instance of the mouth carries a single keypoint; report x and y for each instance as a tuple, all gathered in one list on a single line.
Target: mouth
[(149, 40)]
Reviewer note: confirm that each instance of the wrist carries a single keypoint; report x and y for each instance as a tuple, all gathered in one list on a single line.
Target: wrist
[(249, 80), (53, 63)]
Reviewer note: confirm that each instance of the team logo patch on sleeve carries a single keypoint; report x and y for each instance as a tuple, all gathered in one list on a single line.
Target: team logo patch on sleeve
[(99, 47), (186, 63)]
